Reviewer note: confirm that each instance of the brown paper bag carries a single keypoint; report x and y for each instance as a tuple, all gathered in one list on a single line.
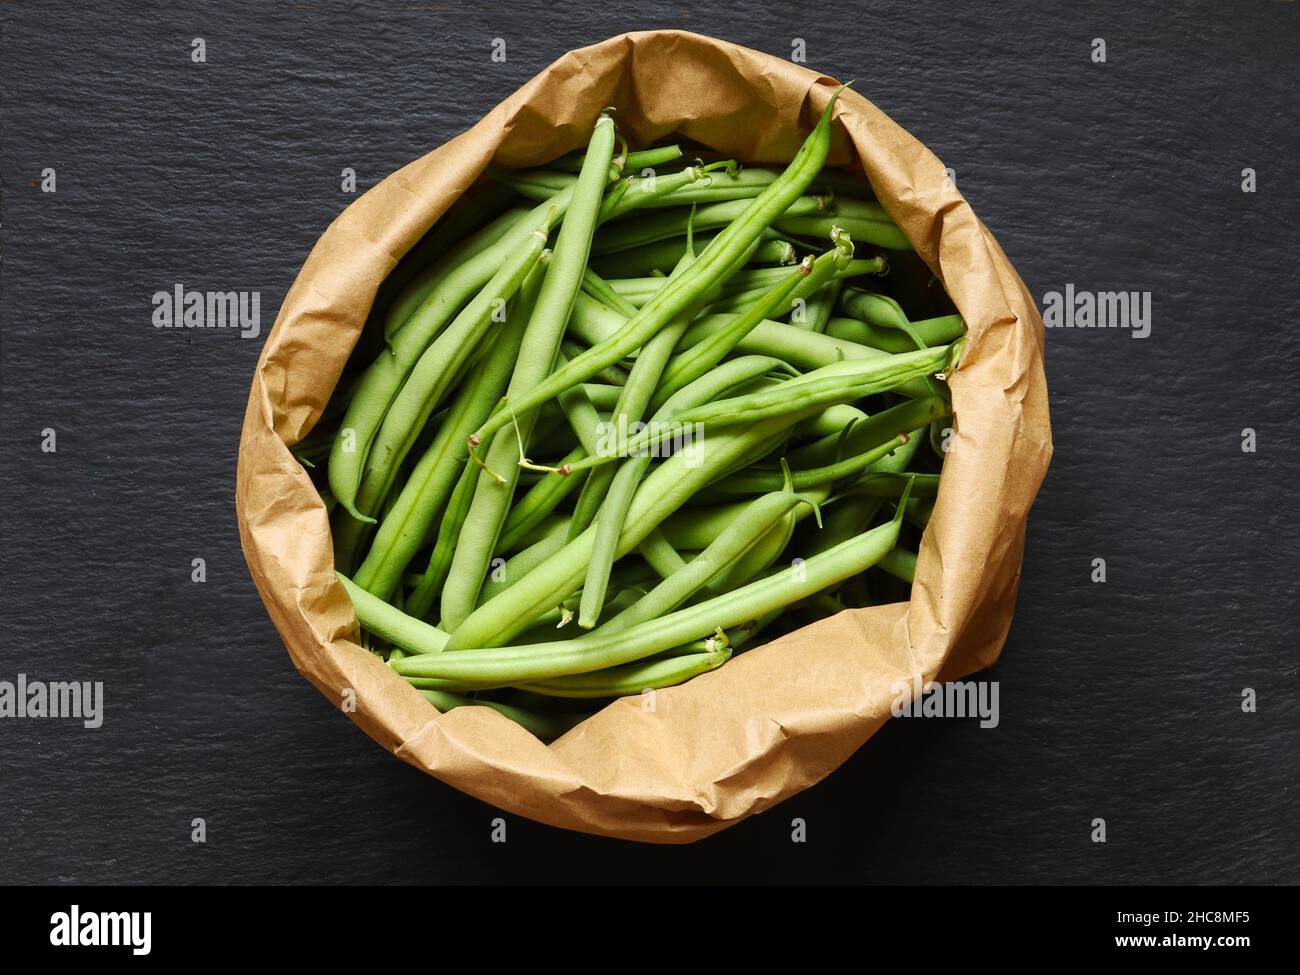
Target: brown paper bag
[(775, 719)]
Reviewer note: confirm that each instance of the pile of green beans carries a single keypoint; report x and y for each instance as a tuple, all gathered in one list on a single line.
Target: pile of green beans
[(625, 415)]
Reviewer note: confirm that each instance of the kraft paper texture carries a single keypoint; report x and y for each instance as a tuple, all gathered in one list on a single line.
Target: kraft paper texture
[(773, 720)]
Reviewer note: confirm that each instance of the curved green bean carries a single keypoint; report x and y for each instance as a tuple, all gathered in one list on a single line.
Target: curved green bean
[(631, 679), (866, 221), (663, 224), (730, 544), (543, 725), (663, 491), (899, 563), (599, 650), (663, 255), (930, 331), (391, 623), (633, 161), (839, 382)]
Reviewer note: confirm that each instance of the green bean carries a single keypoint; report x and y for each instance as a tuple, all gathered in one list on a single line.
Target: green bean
[(382, 381), (726, 377), (637, 291), (739, 301), (750, 180), (553, 522), (584, 420), (883, 312), (600, 289), (391, 623), (631, 402), (800, 348), (662, 492), (867, 222), (874, 309), (843, 184), (412, 295), (737, 183), (868, 432), (640, 159), (595, 488), (663, 224), (524, 562), (851, 513), (543, 725), (815, 312), (836, 383), (690, 364), (830, 422), (634, 192), (879, 310), (730, 544), (619, 486), (407, 526), (899, 563), (844, 518), (421, 601), (610, 375), (587, 544), (631, 679), (594, 323), (661, 556), (542, 498), (598, 649), (767, 548), (878, 483), (436, 369), (535, 184), (761, 279), (663, 255), (541, 343), (603, 396), (687, 289), (695, 528), (930, 331), (748, 482), (557, 623)]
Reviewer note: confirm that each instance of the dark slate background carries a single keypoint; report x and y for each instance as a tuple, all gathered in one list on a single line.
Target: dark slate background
[(1119, 701)]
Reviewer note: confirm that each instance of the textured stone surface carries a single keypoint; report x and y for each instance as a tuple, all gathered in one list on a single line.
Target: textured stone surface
[(1119, 701)]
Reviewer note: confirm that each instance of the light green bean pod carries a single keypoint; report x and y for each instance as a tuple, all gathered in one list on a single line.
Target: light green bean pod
[(544, 725), (598, 650), (631, 679), (408, 524), (440, 365), (496, 484)]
